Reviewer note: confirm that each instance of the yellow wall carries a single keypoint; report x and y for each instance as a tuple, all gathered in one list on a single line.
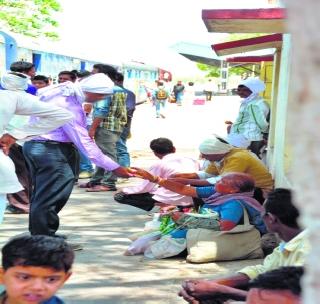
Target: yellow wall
[(266, 75)]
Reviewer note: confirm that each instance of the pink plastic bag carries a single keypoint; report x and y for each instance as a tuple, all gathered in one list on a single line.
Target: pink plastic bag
[(199, 102)]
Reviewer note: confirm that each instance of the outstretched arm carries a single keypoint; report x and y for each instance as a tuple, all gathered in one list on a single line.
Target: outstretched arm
[(193, 290), (186, 175), (166, 183)]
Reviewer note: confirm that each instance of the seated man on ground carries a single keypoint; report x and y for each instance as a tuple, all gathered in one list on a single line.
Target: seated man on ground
[(280, 286), (34, 268), (226, 158), (281, 217), (147, 194)]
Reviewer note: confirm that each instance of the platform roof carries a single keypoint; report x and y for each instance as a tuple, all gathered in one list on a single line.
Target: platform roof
[(267, 20), (197, 52), (248, 45), (250, 59)]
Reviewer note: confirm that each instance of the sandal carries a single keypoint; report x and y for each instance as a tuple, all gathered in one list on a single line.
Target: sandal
[(86, 185), (100, 188)]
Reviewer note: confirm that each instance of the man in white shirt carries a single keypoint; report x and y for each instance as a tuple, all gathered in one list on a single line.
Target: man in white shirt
[(146, 194), (14, 100)]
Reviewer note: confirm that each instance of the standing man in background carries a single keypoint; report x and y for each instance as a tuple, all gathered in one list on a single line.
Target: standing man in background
[(122, 149)]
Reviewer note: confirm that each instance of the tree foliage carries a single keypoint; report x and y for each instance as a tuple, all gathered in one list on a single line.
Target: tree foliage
[(212, 71), (30, 17)]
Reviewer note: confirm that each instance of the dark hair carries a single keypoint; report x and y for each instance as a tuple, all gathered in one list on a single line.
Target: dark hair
[(243, 181), (258, 195), (37, 250), (283, 278), (160, 83), (162, 146), (106, 69), (72, 75), (119, 77), (21, 66), (81, 74), (41, 78), (279, 203)]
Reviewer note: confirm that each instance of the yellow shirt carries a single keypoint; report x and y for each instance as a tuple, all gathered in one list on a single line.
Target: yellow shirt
[(241, 160), (292, 253)]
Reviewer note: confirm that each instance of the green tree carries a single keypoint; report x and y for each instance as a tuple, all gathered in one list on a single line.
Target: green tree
[(33, 18), (212, 71)]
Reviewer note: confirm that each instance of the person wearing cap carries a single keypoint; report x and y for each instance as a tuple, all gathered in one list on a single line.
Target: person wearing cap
[(51, 157), (225, 158), (252, 121), (14, 100)]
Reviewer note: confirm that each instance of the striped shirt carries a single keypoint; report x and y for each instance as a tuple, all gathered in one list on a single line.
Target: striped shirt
[(116, 117)]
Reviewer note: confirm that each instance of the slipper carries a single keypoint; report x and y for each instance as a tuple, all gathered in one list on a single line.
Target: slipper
[(100, 188), (86, 185)]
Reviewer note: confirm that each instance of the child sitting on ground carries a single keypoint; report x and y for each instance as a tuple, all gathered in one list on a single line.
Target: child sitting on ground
[(34, 268)]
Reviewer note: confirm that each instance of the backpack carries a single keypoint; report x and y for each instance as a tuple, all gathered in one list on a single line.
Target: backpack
[(161, 94)]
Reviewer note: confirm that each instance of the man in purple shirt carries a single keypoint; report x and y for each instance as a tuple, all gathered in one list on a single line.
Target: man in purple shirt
[(52, 157)]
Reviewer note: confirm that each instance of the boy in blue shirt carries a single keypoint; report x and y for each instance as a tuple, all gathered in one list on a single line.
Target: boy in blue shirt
[(34, 268)]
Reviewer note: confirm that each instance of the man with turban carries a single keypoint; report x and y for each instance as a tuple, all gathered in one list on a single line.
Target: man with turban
[(252, 121), (224, 158), (52, 157), (14, 100)]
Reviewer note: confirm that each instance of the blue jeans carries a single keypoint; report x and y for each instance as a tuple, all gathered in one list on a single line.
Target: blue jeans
[(159, 104), (52, 167), (122, 150), (85, 163)]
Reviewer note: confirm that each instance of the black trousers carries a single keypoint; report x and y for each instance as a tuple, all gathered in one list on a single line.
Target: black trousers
[(52, 168), (21, 198), (143, 201)]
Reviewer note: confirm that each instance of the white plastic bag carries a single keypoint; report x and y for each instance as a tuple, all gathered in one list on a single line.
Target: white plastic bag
[(141, 243), (165, 247)]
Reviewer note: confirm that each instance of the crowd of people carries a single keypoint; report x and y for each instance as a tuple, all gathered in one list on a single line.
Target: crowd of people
[(218, 208)]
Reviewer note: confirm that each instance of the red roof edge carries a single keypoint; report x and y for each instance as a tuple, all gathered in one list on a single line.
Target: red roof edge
[(246, 42), (251, 58), (264, 13)]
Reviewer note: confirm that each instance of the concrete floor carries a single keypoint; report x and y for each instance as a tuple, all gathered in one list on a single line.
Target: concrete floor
[(101, 273)]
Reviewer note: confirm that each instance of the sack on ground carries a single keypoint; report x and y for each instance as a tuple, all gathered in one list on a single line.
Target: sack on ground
[(161, 94), (207, 245), (165, 247), (141, 243)]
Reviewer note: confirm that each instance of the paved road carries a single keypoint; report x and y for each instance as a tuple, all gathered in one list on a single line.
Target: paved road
[(101, 274)]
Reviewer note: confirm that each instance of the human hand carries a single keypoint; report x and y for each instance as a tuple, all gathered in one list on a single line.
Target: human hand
[(6, 141), (138, 172), (186, 296), (198, 289), (92, 132), (176, 215), (123, 172)]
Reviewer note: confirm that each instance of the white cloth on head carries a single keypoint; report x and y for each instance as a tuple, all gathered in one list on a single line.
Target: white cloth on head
[(255, 85), (213, 145), (97, 83), (13, 82)]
